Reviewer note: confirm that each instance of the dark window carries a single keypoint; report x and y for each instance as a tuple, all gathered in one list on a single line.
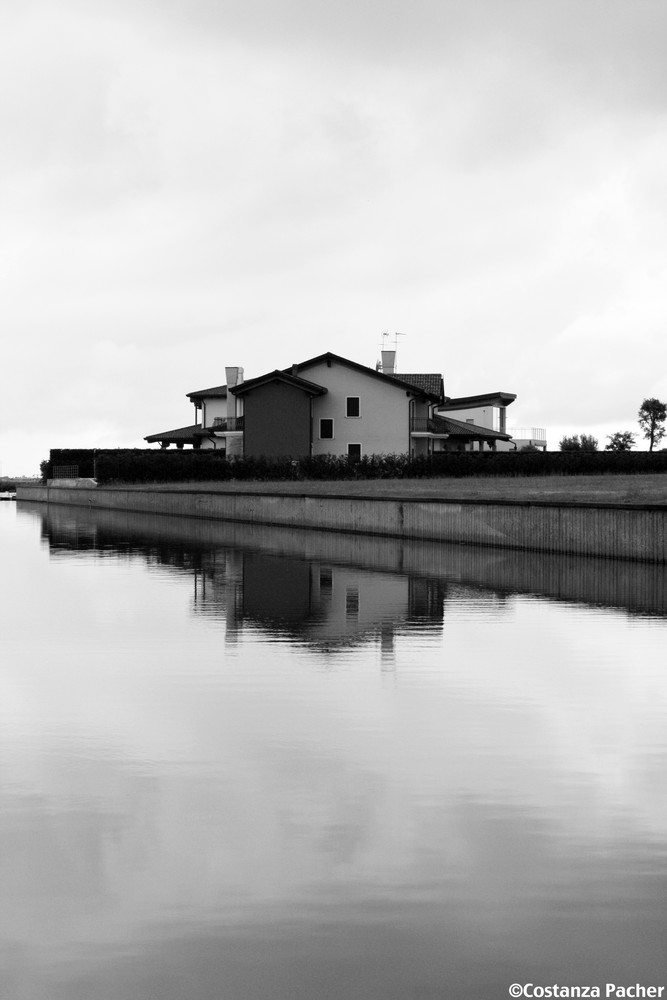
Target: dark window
[(326, 427), (352, 407), (352, 602), (354, 452)]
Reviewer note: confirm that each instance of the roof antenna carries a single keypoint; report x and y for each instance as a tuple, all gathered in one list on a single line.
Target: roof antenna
[(385, 337), (384, 346)]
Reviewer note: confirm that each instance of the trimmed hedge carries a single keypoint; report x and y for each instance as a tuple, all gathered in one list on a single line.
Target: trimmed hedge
[(138, 465), (149, 465)]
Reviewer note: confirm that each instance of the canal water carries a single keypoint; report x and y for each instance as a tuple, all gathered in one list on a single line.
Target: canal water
[(252, 764)]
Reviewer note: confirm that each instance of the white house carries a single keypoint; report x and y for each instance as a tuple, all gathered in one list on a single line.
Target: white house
[(330, 405)]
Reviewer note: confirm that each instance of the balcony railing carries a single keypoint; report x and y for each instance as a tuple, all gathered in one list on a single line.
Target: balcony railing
[(426, 425), (228, 423), (528, 433)]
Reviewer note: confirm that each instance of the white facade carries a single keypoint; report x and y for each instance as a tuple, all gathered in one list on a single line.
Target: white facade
[(215, 410), (383, 424), (482, 416)]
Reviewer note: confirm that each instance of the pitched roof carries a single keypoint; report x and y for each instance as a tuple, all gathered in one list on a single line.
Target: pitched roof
[(430, 383), (184, 434), (217, 390), (427, 384), (459, 428), (400, 380), (312, 388)]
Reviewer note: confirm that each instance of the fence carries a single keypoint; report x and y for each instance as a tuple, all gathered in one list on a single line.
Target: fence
[(65, 472), (228, 423), (525, 433)]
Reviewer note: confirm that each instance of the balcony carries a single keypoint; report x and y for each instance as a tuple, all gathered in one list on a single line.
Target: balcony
[(538, 435), (229, 424), (432, 426)]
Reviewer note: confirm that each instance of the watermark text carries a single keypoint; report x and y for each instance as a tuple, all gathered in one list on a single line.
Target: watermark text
[(636, 991)]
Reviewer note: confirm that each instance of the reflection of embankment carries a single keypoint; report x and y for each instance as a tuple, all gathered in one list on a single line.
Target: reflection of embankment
[(636, 587)]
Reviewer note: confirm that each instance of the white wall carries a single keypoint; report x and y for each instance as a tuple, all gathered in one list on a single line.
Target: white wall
[(483, 416), (214, 407), (384, 422)]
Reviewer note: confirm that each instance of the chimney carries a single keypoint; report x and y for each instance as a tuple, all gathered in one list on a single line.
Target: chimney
[(234, 377), (388, 362)]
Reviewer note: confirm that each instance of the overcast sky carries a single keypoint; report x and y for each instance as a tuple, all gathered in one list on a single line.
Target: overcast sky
[(189, 184)]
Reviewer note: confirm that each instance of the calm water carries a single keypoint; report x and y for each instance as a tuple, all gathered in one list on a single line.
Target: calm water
[(251, 764)]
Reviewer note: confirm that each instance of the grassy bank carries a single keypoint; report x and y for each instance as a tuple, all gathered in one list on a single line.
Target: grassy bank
[(626, 489)]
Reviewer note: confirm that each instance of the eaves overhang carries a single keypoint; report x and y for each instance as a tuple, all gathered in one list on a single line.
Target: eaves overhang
[(286, 378), (217, 391), (482, 399)]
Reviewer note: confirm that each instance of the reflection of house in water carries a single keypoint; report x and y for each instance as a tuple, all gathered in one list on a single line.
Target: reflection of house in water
[(331, 590), (323, 605), (218, 587), (326, 603)]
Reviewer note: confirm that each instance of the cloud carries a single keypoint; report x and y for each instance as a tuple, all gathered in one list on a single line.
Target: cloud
[(258, 182)]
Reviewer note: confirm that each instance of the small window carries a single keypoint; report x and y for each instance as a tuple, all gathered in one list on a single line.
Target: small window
[(352, 406), (326, 427), (354, 452), (352, 602), (326, 579)]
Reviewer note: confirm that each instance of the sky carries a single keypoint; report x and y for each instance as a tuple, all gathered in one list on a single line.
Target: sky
[(190, 184)]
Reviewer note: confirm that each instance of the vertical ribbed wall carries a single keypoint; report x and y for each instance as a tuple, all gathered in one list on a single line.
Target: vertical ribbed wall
[(616, 532)]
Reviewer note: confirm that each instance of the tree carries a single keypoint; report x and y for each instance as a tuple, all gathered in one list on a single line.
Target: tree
[(651, 417), (575, 443), (620, 441)]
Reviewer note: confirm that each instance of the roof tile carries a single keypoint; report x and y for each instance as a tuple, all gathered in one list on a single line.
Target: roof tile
[(430, 382)]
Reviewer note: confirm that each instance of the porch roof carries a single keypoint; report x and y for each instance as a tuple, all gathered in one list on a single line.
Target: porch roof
[(459, 428), (180, 435)]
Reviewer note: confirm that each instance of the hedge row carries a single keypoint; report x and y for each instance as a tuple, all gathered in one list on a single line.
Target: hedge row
[(150, 465), (137, 465)]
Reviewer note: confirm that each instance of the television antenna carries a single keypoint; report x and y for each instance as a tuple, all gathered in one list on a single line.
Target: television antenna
[(386, 344)]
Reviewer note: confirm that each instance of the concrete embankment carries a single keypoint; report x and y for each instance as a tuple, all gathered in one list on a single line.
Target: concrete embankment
[(614, 530)]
